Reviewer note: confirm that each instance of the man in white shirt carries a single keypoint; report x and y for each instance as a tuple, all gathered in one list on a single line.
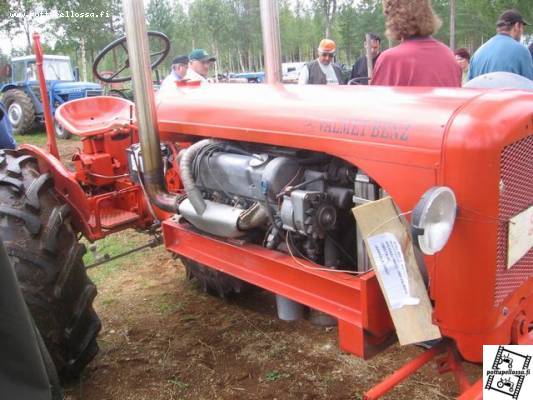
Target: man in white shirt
[(177, 71), (322, 71), (199, 63)]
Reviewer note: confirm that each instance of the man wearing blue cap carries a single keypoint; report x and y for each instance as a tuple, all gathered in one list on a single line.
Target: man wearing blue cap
[(199, 63), (177, 71)]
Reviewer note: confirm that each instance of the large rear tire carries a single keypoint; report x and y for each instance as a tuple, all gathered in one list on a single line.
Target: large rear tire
[(44, 250), (20, 111)]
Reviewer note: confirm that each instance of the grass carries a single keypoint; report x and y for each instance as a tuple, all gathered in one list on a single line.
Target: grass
[(37, 138), (114, 245), (166, 304), (178, 384), (272, 376)]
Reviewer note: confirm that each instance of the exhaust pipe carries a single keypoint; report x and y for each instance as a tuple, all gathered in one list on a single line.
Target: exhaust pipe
[(138, 53), (271, 40)]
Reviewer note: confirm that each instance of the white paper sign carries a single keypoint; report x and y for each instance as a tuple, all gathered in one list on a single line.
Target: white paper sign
[(520, 236), (388, 258)]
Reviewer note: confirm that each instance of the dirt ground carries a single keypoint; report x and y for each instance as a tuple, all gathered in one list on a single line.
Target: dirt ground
[(163, 338)]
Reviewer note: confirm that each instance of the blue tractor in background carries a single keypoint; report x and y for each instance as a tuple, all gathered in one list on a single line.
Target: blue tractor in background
[(22, 96)]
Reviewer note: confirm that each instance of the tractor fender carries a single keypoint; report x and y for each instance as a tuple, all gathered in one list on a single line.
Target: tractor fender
[(67, 187)]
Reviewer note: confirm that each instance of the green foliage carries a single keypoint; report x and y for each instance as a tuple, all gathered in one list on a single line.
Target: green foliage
[(36, 138), (17, 18)]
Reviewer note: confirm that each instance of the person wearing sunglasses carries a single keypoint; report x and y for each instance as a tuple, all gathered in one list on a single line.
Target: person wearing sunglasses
[(322, 71), (199, 63)]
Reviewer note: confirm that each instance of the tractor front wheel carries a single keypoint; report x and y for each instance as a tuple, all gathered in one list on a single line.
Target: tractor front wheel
[(61, 133), (35, 226), (20, 111)]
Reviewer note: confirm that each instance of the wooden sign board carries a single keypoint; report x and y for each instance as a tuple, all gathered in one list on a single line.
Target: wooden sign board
[(390, 249)]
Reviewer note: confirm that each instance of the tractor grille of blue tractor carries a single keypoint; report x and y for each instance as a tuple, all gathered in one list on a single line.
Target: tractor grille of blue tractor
[(74, 96), (81, 94), (94, 92)]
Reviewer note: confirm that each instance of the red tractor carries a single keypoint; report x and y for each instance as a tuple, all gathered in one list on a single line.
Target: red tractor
[(254, 185)]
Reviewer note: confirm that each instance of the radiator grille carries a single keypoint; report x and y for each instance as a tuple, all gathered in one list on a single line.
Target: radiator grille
[(517, 179), (93, 92)]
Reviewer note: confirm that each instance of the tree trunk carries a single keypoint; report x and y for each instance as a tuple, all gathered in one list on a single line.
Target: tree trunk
[(83, 61), (250, 59), (239, 53), (452, 24)]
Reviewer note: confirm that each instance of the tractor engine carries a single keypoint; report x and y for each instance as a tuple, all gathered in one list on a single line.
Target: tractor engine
[(281, 198)]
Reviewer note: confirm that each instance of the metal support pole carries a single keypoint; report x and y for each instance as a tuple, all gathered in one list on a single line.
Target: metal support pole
[(48, 118), (271, 40), (139, 59), (369, 61)]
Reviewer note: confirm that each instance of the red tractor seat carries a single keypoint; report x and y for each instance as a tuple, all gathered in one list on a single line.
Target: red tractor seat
[(94, 115)]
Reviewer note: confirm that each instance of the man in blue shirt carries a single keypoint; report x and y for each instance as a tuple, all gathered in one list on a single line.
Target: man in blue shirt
[(503, 52), (177, 71)]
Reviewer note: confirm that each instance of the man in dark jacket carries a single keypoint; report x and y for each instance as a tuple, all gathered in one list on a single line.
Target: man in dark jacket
[(360, 68), (322, 71)]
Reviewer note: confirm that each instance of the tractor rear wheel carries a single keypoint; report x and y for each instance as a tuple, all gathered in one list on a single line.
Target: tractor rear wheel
[(213, 281), (20, 111), (36, 229)]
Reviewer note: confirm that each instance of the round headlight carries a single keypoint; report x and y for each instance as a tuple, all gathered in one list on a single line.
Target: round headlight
[(433, 219)]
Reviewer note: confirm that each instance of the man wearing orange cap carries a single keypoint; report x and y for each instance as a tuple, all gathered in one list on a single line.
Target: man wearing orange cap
[(322, 71)]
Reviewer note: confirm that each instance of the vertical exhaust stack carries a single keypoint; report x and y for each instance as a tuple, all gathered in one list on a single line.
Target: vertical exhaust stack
[(288, 310), (271, 40), (139, 59)]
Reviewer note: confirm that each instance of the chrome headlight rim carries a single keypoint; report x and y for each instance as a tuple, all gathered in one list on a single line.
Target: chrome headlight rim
[(436, 200)]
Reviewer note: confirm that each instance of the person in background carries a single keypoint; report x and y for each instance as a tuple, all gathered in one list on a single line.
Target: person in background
[(199, 63), (503, 52), (419, 60), (462, 56), (360, 68), (177, 71), (531, 49), (322, 71), (6, 130)]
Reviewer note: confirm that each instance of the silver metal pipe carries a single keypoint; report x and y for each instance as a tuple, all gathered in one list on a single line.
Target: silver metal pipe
[(187, 176), (369, 60), (139, 59), (271, 40)]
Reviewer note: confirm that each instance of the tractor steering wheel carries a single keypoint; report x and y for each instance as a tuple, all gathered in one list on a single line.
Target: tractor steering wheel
[(155, 58)]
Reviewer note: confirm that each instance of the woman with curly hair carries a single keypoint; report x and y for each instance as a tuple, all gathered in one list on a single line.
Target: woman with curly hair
[(419, 60)]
